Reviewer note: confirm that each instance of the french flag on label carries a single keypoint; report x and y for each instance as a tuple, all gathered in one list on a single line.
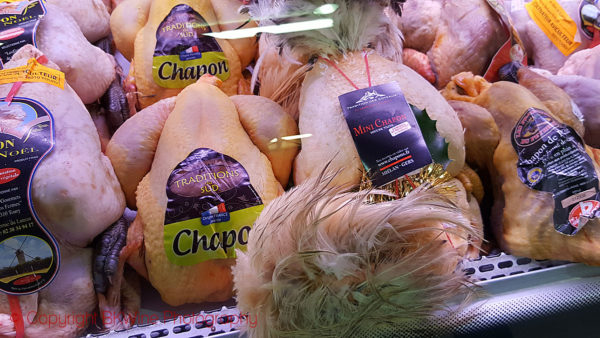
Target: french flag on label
[(216, 214), (191, 54)]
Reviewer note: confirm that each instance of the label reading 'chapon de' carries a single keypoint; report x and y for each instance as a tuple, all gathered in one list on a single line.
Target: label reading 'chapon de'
[(552, 158), (29, 256), (211, 208), (385, 132), (18, 25), (183, 53)]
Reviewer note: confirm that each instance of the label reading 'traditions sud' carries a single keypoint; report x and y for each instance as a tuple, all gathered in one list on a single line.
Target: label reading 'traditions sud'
[(210, 210), (386, 134), (558, 26), (18, 25), (552, 158), (29, 256), (183, 54)]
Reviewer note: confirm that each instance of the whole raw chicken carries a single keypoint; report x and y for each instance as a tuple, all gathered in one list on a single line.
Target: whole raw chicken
[(457, 36), (338, 72), (75, 205), (154, 34), (524, 219), (145, 152)]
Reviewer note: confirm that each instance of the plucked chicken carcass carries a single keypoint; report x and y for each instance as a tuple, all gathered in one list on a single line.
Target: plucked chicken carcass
[(166, 38), (180, 137), (457, 36), (335, 265), (87, 68), (75, 205), (524, 218)]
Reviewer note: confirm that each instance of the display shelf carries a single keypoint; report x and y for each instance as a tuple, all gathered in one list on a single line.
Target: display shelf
[(511, 292)]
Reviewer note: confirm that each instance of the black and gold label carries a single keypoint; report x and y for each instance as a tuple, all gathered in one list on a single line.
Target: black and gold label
[(29, 256), (552, 158), (183, 53)]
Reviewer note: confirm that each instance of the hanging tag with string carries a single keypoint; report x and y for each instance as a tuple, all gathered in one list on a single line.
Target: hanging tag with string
[(396, 155)]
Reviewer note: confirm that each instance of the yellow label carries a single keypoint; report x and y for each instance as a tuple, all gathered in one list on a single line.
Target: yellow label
[(558, 26), (33, 72)]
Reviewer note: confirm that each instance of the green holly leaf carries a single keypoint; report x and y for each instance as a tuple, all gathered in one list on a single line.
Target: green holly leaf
[(437, 145)]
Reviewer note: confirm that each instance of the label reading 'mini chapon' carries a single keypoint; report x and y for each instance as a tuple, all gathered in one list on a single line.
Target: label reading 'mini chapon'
[(210, 210), (183, 53), (552, 158), (385, 131)]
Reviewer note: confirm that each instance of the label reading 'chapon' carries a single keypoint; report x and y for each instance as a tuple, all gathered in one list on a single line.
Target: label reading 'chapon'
[(183, 53), (552, 158), (385, 132), (210, 210), (29, 256), (18, 25)]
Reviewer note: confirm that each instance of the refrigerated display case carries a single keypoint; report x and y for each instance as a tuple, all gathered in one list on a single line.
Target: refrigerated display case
[(518, 297)]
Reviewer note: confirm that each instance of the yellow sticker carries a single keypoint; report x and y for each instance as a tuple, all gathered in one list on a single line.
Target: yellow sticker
[(560, 28), (33, 72)]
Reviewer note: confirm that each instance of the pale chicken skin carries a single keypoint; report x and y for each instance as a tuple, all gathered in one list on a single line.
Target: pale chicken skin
[(91, 16), (75, 206), (457, 36), (88, 70)]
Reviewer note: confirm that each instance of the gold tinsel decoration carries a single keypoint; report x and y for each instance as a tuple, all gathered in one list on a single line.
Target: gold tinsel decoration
[(432, 174)]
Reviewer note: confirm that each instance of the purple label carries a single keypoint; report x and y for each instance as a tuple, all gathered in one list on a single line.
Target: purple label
[(386, 134)]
